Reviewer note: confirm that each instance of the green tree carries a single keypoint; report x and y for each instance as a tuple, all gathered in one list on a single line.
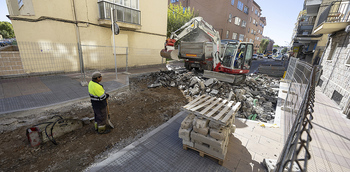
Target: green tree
[(263, 45), (6, 30), (178, 16), (276, 46)]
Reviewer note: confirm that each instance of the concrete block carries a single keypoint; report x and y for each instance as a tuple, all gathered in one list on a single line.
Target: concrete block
[(214, 125), (213, 143), (207, 150), (188, 143), (200, 123), (233, 128), (203, 131), (187, 122), (221, 134), (185, 134)]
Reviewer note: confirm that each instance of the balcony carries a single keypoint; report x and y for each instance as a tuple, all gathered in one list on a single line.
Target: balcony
[(334, 18), (127, 18)]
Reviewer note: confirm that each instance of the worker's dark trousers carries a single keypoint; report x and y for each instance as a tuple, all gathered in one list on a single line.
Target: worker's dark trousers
[(100, 111)]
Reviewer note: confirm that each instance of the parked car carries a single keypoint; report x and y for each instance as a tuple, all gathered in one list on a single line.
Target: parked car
[(270, 56), (261, 55), (255, 57)]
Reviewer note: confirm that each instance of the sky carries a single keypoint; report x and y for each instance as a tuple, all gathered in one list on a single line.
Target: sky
[(281, 16)]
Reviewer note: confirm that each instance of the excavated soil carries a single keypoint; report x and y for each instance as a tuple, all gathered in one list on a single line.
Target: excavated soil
[(134, 113)]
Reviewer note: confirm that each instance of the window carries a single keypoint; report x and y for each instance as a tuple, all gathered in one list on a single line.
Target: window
[(232, 2), (332, 53), (246, 40), (173, 1), (254, 21), (230, 18), (253, 8), (237, 21), (241, 37), (227, 33), (20, 3), (250, 20), (244, 24), (251, 31), (234, 35), (248, 30), (246, 9), (240, 5), (250, 40), (256, 11)]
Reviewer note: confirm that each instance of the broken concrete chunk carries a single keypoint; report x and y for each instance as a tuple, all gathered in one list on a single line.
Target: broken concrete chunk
[(204, 131), (185, 134), (221, 134), (155, 85), (214, 92)]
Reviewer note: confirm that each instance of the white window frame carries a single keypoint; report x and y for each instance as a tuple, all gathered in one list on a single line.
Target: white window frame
[(237, 21), (244, 23), (227, 33), (241, 37), (240, 5), (234, 35)]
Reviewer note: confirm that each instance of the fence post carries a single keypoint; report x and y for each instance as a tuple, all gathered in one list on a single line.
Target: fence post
[(126, 59)]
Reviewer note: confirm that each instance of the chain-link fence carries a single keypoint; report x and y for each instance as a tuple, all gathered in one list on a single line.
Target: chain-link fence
[(298, 108), (38, 58), (61, 70)]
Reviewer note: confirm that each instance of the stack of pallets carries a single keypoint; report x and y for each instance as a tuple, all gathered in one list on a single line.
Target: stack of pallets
[(207, 127)]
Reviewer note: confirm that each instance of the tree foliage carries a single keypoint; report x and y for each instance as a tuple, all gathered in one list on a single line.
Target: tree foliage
[(276, 46), (178, 16), (263, 45), (6, 30)]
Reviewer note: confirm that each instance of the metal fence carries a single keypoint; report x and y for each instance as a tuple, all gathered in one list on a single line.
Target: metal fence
[(42, 58), (298, 108), (61, 70)]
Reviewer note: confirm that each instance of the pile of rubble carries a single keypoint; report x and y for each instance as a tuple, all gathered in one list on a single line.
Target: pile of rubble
[(257, 93)]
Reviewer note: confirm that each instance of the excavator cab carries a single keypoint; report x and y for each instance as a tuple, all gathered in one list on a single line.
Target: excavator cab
[(237, 57)]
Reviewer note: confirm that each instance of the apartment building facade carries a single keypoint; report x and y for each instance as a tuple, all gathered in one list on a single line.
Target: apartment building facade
[(322, 37), (235, 19), (79, 22)]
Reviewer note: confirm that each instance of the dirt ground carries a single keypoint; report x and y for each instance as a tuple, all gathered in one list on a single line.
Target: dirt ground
[(134, 113)]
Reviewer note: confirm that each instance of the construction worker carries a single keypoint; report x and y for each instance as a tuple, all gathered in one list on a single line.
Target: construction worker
[(99, 103), (238, 58)]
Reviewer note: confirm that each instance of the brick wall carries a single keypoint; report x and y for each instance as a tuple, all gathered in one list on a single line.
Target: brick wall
[(10, 63), (336, 71)]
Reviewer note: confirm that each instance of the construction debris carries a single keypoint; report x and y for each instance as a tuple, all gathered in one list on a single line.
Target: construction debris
[(257, 94), (207, 127)]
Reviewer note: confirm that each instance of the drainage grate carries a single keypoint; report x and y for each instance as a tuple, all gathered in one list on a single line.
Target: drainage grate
[(337, 97)]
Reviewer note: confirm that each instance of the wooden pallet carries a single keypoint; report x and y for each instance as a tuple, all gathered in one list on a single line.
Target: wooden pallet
[(215, 109), (201, 153)]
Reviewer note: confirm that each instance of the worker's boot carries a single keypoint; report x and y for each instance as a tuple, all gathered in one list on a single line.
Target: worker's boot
[(95, 126), (103, 130)]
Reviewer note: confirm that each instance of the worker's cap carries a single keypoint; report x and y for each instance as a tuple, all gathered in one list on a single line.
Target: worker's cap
[(96, 75)]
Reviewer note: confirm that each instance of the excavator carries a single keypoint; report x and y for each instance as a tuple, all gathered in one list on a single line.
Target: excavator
[(199, 45)]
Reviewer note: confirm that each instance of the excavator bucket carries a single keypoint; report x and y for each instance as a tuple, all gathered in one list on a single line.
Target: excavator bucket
[(233, 79), (170, 55)]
